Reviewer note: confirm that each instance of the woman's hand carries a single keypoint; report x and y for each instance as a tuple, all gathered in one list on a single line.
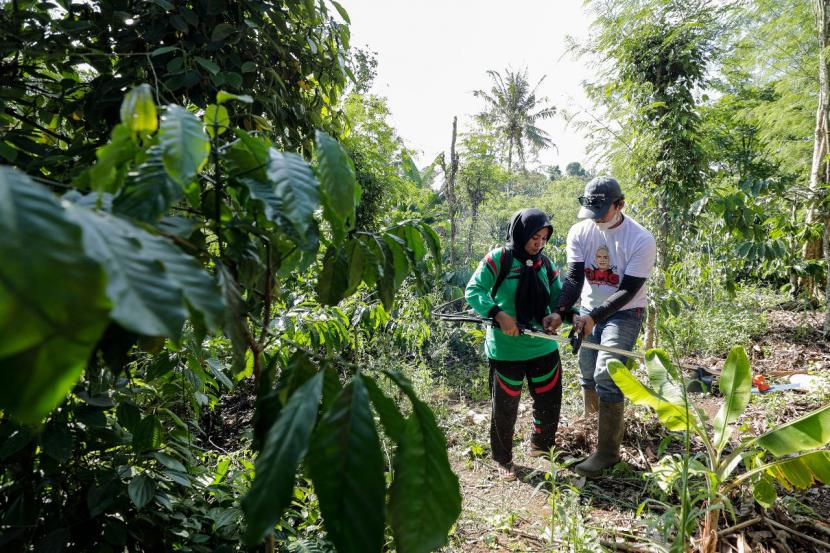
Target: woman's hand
[(552, 322), (507, 324)]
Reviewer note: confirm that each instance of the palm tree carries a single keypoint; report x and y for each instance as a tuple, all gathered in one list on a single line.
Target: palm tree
[(513, 110)]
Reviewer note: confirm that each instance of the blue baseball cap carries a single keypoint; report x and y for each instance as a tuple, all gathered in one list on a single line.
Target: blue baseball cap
[(599, 194)]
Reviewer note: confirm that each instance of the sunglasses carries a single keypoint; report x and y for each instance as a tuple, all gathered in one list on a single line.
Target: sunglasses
[(592, 200)]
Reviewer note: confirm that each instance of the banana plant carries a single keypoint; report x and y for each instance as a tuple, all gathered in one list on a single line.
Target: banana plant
[(790, 454)]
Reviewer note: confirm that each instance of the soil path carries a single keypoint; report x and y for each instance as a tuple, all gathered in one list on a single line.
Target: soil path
[(516, 515)]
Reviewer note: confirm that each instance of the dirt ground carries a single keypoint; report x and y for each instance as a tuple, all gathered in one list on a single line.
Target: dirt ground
[(516, 515)]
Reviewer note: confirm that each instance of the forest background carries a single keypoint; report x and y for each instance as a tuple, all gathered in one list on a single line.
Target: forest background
[(220, 258)]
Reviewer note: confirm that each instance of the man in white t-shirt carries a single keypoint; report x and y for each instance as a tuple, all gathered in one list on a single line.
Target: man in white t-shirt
[(614, 255)]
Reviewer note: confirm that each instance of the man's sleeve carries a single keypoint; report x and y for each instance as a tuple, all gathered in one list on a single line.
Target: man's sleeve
[(573, 248), (556, 288), (575, 277), (629, 287), (481, 284), (643, 258)]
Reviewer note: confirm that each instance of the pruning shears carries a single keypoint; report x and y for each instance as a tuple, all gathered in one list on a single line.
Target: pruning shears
[(573, 339)]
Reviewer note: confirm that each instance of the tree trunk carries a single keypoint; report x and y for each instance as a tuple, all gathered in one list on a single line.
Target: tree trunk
[(452, 203), (662, 265), (826, 245), (474, 203), (816, 212)]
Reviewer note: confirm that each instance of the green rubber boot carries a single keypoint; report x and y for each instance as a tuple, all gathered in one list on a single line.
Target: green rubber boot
[(590, 401), (610, 435)]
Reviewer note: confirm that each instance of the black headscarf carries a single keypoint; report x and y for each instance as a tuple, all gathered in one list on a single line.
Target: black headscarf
[(531, 295)]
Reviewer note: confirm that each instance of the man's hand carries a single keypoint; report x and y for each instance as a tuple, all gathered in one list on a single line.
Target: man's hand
[(552, 322), (507, 324), (583, 325)]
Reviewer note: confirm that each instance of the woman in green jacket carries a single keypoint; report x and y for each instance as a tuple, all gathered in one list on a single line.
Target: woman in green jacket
[(528, 295)]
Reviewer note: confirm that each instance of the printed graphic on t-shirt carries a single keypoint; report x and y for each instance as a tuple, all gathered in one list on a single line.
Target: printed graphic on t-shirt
[(601, 272)]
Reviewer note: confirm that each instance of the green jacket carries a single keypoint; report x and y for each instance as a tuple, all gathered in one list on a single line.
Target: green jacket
[(497, 345)]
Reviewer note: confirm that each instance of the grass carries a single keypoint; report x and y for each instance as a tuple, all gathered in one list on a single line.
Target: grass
[(714, 322)]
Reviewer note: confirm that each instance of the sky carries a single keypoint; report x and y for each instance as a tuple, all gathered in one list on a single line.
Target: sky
[(432, 55)]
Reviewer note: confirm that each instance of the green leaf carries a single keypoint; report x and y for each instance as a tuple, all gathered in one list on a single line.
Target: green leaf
[(128, 415), (111, 168), (141, 490), (289, 196), (332, 282), (811, 431), (276, 467), (234, 321), (148, 434), (663, 375), (147, 299), (424, 499), (184, 144), (372, 260), (298, 190), (342, 11), (414, 240), (433, 241), (400, 262), (410, 170), (355, 256), (390, 416), (221, 32), (736, 385), (763, 490), (223, 96), (138, 110), (331, 386), (178, 477), (163, 50), (216, 120), (346, 466), (802, 470), (18, 439), (208, 65), (169, 462), (149, 191), (340, 191), (249, 156), (386, 271), (670, 414), (53, 305), (56, 441)]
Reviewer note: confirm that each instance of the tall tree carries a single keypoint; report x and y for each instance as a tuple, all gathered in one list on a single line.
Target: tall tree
[(820, 172), (514, 110), (479, 175), (575, 169), (657, 53), (450, 173)]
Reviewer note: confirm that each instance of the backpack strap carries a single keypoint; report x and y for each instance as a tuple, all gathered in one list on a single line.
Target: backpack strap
[(505, 262), (549, 269)]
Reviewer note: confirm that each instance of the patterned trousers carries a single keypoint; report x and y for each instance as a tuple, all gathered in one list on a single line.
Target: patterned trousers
[(544, 380)]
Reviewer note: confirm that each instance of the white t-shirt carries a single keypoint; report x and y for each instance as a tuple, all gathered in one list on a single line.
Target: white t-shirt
[(628, 249)]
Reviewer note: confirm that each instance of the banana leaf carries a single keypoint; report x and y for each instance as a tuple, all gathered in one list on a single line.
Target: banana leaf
[(674, 416)]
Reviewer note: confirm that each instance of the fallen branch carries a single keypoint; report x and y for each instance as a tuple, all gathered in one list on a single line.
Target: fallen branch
[(815, 525), (623, 546), (797, 533), (740, 526), (527, 535)]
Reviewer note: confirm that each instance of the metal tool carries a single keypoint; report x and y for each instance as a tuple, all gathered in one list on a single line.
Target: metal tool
[(576, 342)]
